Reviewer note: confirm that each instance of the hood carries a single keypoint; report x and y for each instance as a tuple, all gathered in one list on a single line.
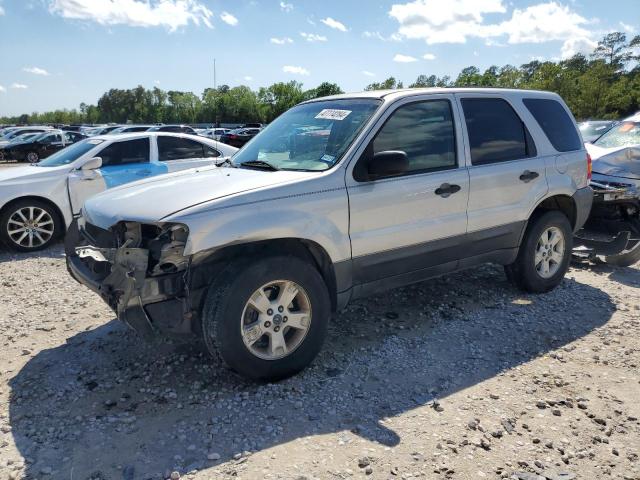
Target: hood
[(623, 162), (29, 173), (153, 199)]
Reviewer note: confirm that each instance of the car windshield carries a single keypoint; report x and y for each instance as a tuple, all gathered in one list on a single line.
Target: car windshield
[(623, 135), (592, 129), (70, 154), (25, 138), (312, 136)]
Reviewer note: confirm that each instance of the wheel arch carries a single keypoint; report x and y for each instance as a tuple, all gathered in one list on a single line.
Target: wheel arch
[(560, 202), (304, 249)]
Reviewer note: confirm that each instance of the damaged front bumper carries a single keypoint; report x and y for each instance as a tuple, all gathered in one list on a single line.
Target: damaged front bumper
[(149, 303)]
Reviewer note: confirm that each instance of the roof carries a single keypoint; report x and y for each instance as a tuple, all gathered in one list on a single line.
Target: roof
[(407, 92)]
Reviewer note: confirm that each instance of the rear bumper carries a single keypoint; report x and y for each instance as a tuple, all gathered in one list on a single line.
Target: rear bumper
[(583, 199), (119, 276)]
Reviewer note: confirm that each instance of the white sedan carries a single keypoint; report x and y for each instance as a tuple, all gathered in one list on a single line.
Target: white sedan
[(38, 202)]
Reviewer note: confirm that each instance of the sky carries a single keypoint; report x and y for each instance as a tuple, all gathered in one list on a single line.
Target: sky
[(59, 53)]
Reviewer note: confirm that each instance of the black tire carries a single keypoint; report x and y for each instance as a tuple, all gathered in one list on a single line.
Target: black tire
[(34, 157), (523, 273), (9, 211), (626, 259), (222, 315)]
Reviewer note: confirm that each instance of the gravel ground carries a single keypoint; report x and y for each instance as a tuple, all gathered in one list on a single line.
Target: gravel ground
[(460, 377)]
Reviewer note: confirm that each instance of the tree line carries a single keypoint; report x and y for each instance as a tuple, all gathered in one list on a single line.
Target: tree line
[(605, 84)]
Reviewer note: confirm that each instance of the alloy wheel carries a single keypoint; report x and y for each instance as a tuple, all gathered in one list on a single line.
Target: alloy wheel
[(276, 319), (32, 157), (30, 227), (549, 252)]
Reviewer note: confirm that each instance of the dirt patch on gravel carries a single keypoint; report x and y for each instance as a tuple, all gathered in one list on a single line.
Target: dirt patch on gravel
[(461, 377)]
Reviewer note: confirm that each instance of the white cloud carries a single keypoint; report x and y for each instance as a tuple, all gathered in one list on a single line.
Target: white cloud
[(368, 73), (456, 20), (627, 28), (312, 37), (442, 22), (229, 19), (2, 89), (429, 56), (171, 14), (1, 13), (404, 58), (331, 23), (36, 71), (19, 86), (295, 70), (247, 78), (157, 82), (280, 41), (394, 37), (286, 7), (577, 45)]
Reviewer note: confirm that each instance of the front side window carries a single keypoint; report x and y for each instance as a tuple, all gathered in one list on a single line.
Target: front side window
[(311, 136), (176, 148), (496, 132), (623, 135), (424, 131), (122, 153)]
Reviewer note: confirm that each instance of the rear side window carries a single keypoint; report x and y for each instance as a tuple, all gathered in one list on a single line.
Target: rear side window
[(176, 148), (122, 153), (496, 132), (555, 122)]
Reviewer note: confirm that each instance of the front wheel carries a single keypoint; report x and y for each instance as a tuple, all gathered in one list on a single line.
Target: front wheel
[(29, 225), (267, 319), (544, 255)]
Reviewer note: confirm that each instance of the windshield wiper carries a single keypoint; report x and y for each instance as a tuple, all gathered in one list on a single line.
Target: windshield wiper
[(259, 164), (226, 162)]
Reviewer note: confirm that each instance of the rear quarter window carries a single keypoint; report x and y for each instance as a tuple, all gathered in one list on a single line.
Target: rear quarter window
[(555, 122)]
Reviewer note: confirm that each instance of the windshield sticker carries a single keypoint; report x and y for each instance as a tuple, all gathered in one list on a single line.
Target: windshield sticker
[(332, 114), (327, 158)]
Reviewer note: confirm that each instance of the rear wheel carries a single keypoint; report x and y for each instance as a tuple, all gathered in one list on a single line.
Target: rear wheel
[(267, 319), (29, 225), (544, 255)]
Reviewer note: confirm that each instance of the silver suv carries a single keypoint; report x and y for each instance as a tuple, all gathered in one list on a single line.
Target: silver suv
[(337, 198)]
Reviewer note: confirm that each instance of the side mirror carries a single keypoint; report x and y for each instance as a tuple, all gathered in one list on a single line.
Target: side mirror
[(93, 164), (389, 163)]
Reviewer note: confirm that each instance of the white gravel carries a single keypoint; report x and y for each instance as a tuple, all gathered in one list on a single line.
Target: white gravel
[(461, 377)]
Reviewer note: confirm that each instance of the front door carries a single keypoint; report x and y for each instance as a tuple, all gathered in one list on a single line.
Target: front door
[(179, 153), (122, 162), (414, 222)]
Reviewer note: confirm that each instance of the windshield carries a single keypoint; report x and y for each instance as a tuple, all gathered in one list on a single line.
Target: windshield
[(592, 129), (623, 135), (25, 138), (70, 154), (312, 136)]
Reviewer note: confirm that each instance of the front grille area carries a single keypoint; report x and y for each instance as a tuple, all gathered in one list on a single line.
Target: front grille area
[(99, 237)]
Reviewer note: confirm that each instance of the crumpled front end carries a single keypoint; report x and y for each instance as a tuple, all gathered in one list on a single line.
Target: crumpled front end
[(139, 270)]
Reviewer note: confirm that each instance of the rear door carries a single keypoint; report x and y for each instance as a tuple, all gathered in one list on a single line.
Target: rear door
[(506, 177), (179, 153), (122, 162)]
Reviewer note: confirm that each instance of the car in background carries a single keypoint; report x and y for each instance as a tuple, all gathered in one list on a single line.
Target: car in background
[(104, 130), (38, 201), (174, 129), (252, 125), (20, 130), (616, 181), (130, 129), (215, 133), (17, 139), (41, 145), (238, 138), (591, 130)]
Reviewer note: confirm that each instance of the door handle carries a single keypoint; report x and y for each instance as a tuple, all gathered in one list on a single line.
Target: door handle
[(446, 189), (527, 176)]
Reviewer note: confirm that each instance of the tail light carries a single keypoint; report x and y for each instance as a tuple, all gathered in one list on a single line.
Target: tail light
[(589, 167)]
